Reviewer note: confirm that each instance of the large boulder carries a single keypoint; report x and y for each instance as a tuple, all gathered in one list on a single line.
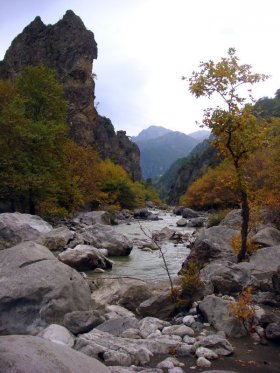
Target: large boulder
[(225, 277), (26, 354), (233, 219), (212, 244), (160, 305), (58, 334), (56, 239), (105, 237), (125, 292), (217, 311), (36, 289), (117, 326), (85, 258), (16, 227), (93, 217), (267, 236), (82, 321), (189, 213)]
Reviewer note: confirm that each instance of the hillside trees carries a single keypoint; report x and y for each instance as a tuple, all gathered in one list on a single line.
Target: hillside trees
[(236, 128), (41, 169)]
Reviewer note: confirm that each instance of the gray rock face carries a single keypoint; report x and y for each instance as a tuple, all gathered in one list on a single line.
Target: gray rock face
[(272, 332), (82, 321), (216, 343), (267, 236), (233, 219), (16, 227), (93, 217), (69, 48), (117, 326), (213, 243), (58, 334), (36, 289), (105, 237), (217, 312), (84, 258), (126, 292), (160, 305), (56, 239), (226, 277), (189, 213), (25, 354)]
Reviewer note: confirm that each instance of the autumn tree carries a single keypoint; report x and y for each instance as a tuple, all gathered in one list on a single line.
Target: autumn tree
[(33, 132), (235, 125)]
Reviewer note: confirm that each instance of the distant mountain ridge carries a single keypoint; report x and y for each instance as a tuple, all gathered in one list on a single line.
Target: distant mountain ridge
[(160, 147)]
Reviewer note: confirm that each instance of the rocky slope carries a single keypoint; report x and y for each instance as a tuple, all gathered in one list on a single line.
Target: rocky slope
[(69, 48)]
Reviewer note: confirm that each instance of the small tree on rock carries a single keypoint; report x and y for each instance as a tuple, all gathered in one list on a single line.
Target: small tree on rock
[(236, 127)]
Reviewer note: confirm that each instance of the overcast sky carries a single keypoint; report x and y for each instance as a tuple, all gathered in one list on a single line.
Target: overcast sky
[(146, 46)]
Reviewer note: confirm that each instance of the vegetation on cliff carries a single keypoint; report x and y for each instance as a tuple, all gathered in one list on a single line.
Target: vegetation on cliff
[(42, 170)]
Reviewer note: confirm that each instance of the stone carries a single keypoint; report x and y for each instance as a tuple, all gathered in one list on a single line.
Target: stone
[(272, 332), (16, 227), (276, 280), (212, 244), (184, 350), (126, 292), (164, 234), (37, 290), (26, 353), (188, 320), (170, 362), (149, 325), (85, 258), (69, 48), (203, 363), (131, 333), (216, 310), (189, 213), (105, 237), (180, 330), (233, 219), (206, 352), (56, 239), (196, 222), (133, 368), (82, 321), (117, 326), (182, 222), (218, 344), (226, 277), (189, 340), (159, 305), (176, 370), (178, 210), (58, 334), (120, 311), (267, 236), (93, 217)]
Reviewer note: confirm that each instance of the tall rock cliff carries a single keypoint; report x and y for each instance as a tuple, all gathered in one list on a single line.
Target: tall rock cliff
[(69, 48)]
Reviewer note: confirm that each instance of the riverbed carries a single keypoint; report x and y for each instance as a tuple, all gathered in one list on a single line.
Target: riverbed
[(148, 265)]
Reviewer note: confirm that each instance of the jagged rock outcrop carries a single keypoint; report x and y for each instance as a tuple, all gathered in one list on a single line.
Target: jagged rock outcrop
[(69, 48)]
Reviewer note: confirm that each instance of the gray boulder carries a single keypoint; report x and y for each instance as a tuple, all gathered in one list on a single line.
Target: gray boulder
[(117, 326), (216, 310), (196, 222), (212, 244), (160, 305), (36, 289), (189, 213), (93, 217), (233, 219), (82, 321), (225, 277), (85, 258), (164, 234), (58, 334), (182, 222), (126, 292), (216, 343), (16, 227), (267, 236), (25, 354), (105, 237), (56, 239), (178, 210), (272, 332)]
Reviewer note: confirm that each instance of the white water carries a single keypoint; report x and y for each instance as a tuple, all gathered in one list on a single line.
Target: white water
[(149, 265)]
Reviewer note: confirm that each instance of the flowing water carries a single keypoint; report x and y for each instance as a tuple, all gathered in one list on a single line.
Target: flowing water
[(149, 265)]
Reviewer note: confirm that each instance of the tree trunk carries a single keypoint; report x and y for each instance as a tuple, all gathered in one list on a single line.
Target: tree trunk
[(31, 203), (245, 213)]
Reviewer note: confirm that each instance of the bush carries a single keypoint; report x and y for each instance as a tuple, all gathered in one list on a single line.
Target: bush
[(216, 217), (190, 280)]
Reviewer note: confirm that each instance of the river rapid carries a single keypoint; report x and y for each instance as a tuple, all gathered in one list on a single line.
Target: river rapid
[(147, 265)]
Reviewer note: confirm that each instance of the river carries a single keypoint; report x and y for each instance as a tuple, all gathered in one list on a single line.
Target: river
[(149, 265)]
